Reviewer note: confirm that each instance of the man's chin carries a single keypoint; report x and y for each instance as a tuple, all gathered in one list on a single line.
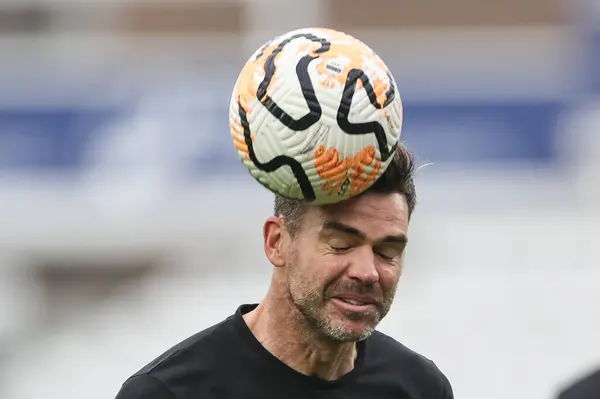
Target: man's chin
[(365, 315), (347, 334), (341, 325), (354, 328)]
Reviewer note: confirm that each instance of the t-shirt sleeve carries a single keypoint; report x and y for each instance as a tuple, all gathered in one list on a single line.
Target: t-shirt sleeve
[(144, 387), (584, 388), (447, 392)]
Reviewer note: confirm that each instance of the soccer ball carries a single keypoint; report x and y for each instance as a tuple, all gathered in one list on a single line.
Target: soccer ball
[(316, 115)]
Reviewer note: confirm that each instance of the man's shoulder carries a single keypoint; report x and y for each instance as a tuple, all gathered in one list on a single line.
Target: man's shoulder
[(200, 345), (585, 387), (397, 359), (190, 359)]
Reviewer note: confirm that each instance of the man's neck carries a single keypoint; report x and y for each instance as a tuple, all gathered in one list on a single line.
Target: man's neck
[(281, 330)]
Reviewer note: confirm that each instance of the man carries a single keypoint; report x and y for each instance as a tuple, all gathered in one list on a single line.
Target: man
[(335, 273)]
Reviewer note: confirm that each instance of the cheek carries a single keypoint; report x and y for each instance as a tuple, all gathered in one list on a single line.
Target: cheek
[(332, 266), (322, 269), (388, 277), (306, 266)]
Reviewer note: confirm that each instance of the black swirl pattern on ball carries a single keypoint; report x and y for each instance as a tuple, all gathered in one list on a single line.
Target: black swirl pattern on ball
[(307, 190), (312, 117), (308, 90), (368, 127)]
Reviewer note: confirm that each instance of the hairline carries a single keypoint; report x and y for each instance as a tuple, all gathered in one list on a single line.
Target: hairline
[(295, 226)]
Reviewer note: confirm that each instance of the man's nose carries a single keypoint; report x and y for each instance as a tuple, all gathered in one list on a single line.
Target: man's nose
[(363, 265)]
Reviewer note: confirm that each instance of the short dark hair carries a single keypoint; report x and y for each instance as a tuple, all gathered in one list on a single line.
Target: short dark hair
[(397, 178)]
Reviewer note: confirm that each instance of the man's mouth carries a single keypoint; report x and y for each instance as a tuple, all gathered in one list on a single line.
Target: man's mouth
[(354, 301), (353, 304)]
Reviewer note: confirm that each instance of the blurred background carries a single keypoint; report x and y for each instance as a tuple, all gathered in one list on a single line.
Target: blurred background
[(122, 199)]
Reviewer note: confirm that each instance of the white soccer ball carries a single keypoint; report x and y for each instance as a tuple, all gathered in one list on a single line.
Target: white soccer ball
[(316, 115)]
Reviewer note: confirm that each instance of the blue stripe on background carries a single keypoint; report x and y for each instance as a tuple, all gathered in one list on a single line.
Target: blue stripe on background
[(58, 140), (483, 132), (47, 139)]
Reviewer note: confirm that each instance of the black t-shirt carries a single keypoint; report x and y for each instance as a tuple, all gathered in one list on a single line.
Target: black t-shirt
[(587, 387), (226, 361)]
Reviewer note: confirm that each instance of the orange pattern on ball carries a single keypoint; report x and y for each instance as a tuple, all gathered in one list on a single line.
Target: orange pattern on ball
[(347, 175)]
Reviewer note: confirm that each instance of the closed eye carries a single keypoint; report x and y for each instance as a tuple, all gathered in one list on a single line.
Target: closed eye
[(386, 257), (389, 253), (339, 248)]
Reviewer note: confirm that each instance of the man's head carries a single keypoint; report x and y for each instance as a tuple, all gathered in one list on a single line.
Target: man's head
[(339, 264)]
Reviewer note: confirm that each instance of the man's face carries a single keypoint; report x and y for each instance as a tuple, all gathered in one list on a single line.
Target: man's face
[(344, 264)]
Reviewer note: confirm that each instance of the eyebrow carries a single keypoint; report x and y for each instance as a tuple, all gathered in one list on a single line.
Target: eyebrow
[(344, 228)]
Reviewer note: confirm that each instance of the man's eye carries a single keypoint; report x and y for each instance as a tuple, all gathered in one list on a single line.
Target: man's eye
[(338, 247), (386, 256)]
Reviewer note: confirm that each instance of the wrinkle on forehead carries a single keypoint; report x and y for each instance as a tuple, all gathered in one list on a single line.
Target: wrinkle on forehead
[(369, 209)]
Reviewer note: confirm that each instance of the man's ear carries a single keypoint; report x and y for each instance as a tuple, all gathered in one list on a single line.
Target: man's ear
[(273, 236)]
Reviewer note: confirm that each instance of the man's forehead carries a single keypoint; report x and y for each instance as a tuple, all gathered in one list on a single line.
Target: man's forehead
[(376, 208)]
